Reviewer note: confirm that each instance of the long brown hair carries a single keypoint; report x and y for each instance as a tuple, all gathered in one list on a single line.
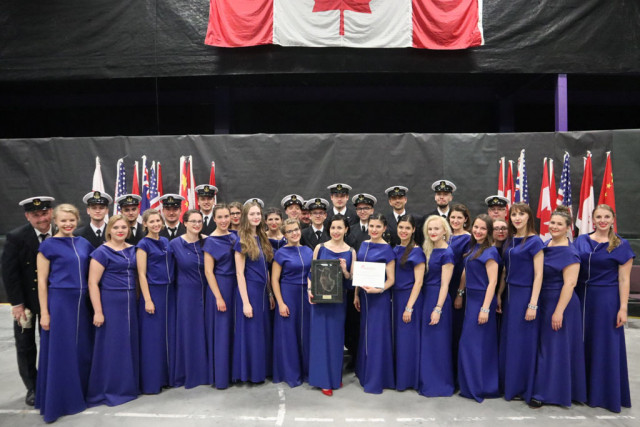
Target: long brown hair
[(488, 242), (459, 207), (531, 228), (245, 232), (614, 240), (412, 243)]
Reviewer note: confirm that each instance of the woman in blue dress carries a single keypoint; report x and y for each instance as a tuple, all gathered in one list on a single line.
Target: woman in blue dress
[(115, 373), (327, 320), (436, 365), (523, 269), (478, 351), (407, 304), (220, 271), (157, 307), (252, 350), (605, 274), (460, 222), (560, 372), (191, 363), (273, 221), (66, 342), (374, 364), (289, 274)]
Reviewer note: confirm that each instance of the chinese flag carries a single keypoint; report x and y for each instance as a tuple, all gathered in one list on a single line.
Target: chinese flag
[(607, 195)]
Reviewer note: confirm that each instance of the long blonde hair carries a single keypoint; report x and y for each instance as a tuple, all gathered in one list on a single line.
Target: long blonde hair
[(614, 240), (245, 232), (428, 245)]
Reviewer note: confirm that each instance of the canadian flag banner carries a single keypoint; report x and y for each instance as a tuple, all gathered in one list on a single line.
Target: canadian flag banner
[(427, 24)]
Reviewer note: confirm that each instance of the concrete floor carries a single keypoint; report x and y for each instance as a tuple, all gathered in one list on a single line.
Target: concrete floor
[(276, 404)]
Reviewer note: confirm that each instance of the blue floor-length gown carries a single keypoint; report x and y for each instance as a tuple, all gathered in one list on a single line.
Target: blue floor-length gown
[(115, 368), (560, 370), (158, 330), (291, 334), (605, 348), (459, 244), (191, 363), (374, 365), (66, 348), (407, 335), (219, 324), (327, 333), (436, 364), (478, 351), (519, 337), (252, 349)]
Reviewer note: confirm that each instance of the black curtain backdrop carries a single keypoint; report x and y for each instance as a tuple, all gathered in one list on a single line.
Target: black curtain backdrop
[(79, 39), (272, 166)]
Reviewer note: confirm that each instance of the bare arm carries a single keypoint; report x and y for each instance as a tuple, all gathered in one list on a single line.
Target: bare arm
[(570, 277), (492, 273), (503, 285), (418, 274), (457, 303), (276, 271), (209, 264), (43, 265), (538, 267), (141, 262), (242, 284), (624, 280), (445, 278), (95, 274)]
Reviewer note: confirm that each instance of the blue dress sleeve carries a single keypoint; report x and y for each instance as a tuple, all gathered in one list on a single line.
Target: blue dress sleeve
[(388, 254), (46, 248), (490, 254), (101, 255), (623, 253), (143, 244), (448, 257), (237, 246), (535, 246), (279, 258)]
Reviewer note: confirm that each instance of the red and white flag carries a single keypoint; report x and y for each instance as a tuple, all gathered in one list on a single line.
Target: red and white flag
[(212, 180), (553, 194), (135, 187), (193, 200), (607, 193), (509, 192), (98, 183), (184, 184), (584, 221), (159, 178), (501, 177), (429, 24), (544, 204)]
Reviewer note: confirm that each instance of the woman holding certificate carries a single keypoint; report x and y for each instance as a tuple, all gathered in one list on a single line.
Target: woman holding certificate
[(374, 365), (327, 320)]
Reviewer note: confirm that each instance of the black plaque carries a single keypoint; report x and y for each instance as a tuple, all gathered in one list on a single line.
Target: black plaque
[(326, 285)]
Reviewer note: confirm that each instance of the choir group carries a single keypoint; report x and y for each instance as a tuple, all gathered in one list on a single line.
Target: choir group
[(477, 305)]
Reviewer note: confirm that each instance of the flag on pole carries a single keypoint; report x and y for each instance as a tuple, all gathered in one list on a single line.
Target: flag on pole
[(98, 183), (522, 183), (121, 185), (544, 204), (427, 24), (584, 221), (154, 198), (193, 200), (159, 178), (501, 177), (145, 202), (509, 192), (564, 192), (553, 195), (607, 193), (212, 180), (135, 186)]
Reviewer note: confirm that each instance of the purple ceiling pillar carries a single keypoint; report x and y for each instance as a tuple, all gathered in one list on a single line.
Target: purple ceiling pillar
[(562, 119)]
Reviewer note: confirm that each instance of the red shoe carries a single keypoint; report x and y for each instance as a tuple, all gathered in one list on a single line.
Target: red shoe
[(327, 392), (340, 385)]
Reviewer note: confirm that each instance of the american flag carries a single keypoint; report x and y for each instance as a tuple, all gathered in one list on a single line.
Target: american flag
[(522, 183), (564, 192), (154, 198), (144, 203), (121, 184)]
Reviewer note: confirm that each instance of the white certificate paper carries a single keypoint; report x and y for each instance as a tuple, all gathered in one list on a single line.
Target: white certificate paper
[(369, 274)]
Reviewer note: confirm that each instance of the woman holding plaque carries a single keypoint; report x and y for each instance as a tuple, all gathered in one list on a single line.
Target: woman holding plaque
[(114, 377), (436, 366), (157, 307), (327, 320), (605, 273), (220, 271), (460, 222), (374, 366), (252, 350), (289, 274), (191, 367), (407, 304), (523, 268), (66, 334), (478, 351)]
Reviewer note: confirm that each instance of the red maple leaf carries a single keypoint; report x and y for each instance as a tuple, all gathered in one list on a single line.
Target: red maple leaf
[(360, 6)]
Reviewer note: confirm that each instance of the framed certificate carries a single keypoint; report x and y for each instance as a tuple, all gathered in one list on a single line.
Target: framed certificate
[(326, 282), (370, 274)]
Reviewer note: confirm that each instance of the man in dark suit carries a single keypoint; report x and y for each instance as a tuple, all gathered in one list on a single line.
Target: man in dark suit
[(171, 209), (497, 207), (317, 232), (130, 209), (443, 190), (20, 279), (292, 205), (359, 232), (398, 201), (97, 208), (206, 201), (339, 199)]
